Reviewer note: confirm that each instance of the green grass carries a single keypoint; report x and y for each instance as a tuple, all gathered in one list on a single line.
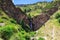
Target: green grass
[(41, 38), (11, 30)]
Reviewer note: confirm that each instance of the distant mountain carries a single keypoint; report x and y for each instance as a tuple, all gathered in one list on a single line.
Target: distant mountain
[(31, 4), (20, 5)]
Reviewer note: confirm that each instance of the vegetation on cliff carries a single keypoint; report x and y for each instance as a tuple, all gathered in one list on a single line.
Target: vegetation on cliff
[(10, 30)]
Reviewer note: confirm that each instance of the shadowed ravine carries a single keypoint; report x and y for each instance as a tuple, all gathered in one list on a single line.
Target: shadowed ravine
[(16, 13)]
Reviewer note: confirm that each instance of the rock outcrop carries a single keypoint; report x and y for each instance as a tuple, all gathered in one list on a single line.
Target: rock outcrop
[(39, 20), (16, 13)]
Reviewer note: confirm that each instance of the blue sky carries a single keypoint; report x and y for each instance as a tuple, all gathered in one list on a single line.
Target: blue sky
[(27, 1)]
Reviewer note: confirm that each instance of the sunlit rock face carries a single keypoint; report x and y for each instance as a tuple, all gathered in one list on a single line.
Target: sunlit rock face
[(10, 9), (39, 20), (16, 13)]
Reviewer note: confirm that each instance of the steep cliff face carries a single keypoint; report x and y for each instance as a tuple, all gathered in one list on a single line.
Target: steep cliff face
[(41, 19), (10, 9), (16, 13)]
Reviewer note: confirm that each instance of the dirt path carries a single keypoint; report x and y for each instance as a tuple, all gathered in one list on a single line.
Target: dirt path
[(49, 32)]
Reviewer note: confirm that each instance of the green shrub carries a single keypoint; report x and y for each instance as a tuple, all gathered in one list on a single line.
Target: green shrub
[(7, 31), (4, 18), (59, 20), (27, 10), (27, 37), (32, 33), (41, 38), (19, 36), (1, 21), (13, 21), (16, 36), (57, 15)]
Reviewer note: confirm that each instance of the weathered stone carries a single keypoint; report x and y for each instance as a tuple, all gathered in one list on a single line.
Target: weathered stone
[(39, 20)]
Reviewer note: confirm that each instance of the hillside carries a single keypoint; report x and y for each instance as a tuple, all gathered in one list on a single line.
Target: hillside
[(49, 31), (36, 8), (10, 30)]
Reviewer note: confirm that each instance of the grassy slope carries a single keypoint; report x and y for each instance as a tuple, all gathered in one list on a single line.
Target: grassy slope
[(35, 9), (11, 30)]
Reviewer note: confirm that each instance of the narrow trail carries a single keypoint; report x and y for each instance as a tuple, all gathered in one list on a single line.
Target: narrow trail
[(53, 33), (50, 32)]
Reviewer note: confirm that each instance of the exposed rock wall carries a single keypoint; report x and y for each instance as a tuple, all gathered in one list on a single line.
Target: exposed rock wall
[(10, 9), (16, 13), (39, 20)]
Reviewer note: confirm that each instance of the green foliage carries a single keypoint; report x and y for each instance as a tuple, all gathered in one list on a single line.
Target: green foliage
[(17, 36), (59, 20), (1, 21), (20, 36), (27, 37), (13, 31), (41, 38), (27, 10), (32, 33), (57, 15), (7, 31)]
